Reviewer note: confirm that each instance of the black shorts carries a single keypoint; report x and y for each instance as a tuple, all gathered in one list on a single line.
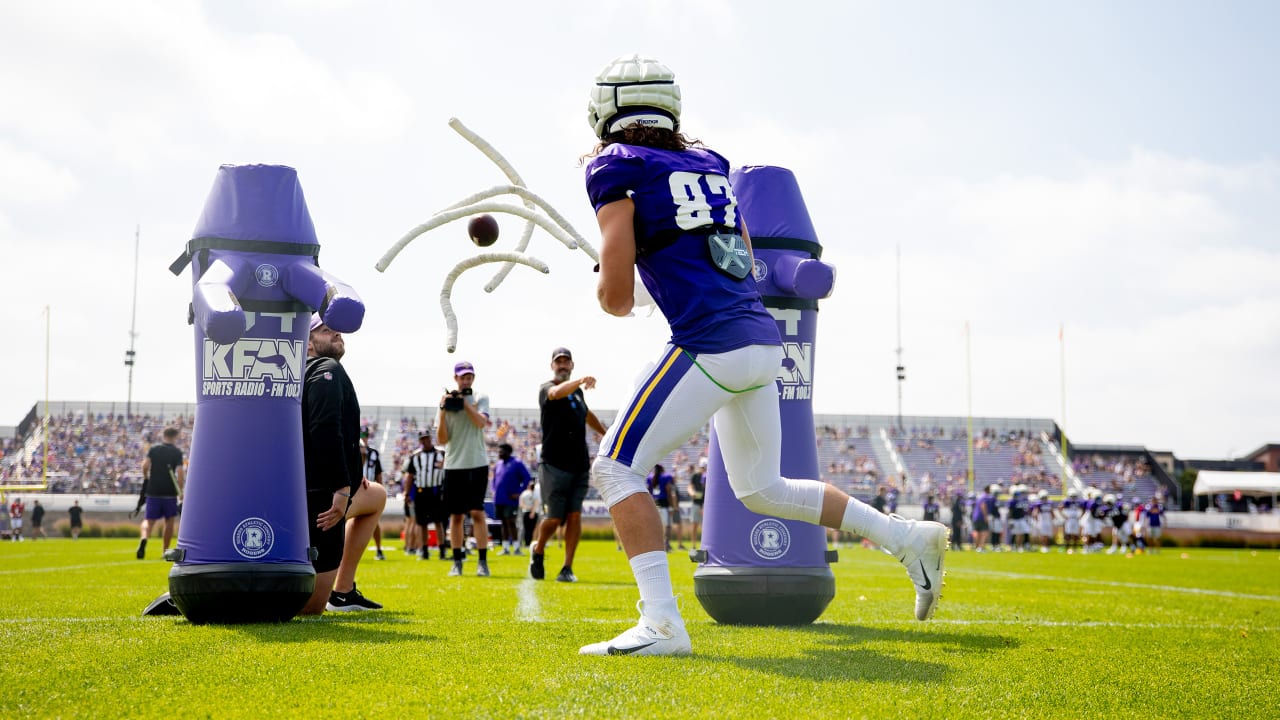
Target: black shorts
[(506, 511), (980, 525), (429, 507), (464, 489), (328, 543), (562, 492)]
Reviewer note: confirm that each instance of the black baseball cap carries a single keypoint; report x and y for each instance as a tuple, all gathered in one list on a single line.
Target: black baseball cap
[(561, 352)]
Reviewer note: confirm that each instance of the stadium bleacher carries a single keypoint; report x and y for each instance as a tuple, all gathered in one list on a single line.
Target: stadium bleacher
[(95, 449), (1126, 473)]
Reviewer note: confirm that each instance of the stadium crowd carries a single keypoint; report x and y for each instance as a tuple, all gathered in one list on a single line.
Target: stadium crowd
[(102, 453), (1027, 508)]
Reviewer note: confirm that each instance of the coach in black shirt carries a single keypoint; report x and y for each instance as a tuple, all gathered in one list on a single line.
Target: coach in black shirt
[(336, 488), (564, 471)]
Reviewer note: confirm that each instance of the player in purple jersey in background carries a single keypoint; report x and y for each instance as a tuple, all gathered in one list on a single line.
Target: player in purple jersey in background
[(1072, 519), (666, 209)]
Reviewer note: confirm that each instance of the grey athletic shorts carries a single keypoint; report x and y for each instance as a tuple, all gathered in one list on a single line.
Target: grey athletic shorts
[(562, 492)]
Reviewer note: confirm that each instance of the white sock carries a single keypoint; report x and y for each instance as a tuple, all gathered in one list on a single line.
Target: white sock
[(862, 519), (654, 580)]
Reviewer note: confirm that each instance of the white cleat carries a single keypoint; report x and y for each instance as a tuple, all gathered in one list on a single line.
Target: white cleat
[(647, 637), (923, 551)]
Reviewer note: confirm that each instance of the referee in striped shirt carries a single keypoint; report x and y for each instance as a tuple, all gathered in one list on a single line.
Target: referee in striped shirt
[(425, 468)]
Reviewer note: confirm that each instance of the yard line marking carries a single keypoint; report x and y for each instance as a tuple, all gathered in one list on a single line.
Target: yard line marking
[(1111, 624), (60, 568), (28, 620), (1116, 583), (528, 609)]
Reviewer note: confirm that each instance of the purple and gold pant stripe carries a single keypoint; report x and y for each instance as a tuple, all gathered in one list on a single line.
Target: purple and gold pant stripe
[(649, 399)]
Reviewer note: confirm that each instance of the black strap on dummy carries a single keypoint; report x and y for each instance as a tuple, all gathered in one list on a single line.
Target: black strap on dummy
[(257, 246), (203, 245), (784, 243)]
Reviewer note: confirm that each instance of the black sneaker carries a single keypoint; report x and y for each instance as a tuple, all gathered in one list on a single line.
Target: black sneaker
[(536, 571), (350, 601), (566, 575), (142, 548), (379, 556)]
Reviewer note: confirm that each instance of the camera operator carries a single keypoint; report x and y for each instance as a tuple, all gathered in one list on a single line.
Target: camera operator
[(460, 425)]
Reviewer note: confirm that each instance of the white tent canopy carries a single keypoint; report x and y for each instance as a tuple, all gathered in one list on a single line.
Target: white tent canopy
[(1214, 482)]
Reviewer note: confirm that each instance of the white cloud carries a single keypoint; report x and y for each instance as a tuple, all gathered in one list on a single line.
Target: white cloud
[(29, 178), (128, 80)]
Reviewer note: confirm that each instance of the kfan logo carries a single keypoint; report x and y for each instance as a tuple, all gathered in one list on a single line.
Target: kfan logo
[(795, 376), (254, 367), (796, 373)]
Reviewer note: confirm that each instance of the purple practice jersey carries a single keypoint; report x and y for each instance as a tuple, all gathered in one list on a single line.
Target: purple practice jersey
[(984, 507), (1019, 507), (1155, 514), (681, 197)]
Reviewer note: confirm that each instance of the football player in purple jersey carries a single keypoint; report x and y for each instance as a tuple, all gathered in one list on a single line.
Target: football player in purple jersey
[(1019, 509), (1072, 517), (1153, 515), (1095, 510), (666, 209), (1046, 519)]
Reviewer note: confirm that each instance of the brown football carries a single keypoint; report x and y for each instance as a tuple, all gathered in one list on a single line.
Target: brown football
[(483, 230)]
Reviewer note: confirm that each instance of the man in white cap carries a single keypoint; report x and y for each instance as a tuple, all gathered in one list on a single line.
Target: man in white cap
[(460, 425)]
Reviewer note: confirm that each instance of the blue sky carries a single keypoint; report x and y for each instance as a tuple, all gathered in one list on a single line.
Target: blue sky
[(1108, 166)]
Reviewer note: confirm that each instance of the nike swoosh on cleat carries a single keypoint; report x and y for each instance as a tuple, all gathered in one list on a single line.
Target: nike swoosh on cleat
[(627, 651), (928, 584)]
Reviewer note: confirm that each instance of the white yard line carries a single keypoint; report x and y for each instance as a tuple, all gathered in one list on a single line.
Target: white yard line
[(1110, 624), (61, 568), (529, 608), (1115, 583)]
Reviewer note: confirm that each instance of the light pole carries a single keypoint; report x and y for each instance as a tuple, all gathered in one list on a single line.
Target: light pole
[(902, 370), (133, 323)]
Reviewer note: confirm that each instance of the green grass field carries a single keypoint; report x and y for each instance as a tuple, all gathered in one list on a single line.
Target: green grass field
[(1016, 635)]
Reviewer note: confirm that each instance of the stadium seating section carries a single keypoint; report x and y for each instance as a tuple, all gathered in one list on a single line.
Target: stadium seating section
[(94, 448)]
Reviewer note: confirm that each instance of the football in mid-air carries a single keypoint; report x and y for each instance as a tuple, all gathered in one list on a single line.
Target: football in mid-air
[(483, 230)]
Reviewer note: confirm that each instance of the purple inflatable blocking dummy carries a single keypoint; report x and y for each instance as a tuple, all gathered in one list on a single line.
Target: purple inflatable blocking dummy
[(755, 569), (242, 553)]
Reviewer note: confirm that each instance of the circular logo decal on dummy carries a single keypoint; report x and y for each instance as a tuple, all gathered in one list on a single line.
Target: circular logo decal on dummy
[(760, 270), (253, 538), (267, 275), (770, 539)]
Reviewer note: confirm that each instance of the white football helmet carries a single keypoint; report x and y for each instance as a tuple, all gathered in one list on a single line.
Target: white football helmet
[(633, 89)]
